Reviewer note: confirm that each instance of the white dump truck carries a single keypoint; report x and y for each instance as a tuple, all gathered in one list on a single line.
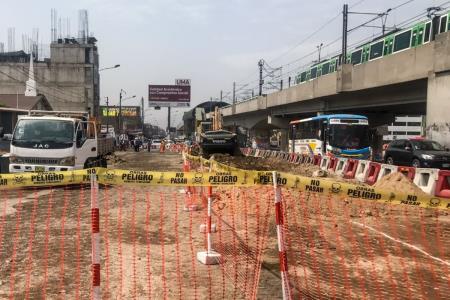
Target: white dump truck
[(57, 141)]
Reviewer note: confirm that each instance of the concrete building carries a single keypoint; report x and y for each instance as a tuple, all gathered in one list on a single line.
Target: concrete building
[(69, 79), (405, 127)]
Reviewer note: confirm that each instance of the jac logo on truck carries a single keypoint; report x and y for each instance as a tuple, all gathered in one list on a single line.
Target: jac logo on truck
[(41, 146)]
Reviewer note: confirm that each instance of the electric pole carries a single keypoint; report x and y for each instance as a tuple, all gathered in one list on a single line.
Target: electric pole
[(261, 81), (142, 113), (319, 49), (168, 120), (107, 115), (234, 98), (120, 110), (344, 33), (221, 95)]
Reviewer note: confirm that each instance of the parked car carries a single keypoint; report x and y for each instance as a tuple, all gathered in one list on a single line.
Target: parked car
[(156, 144), (419, 153)]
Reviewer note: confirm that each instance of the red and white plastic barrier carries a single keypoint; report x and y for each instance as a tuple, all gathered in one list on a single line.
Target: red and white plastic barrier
[(340, 166), (443, 184), (332, 164), (426, 179), (350, 169), (409, 172), (324, 163), (386, 170), (362, 170), (372, 173)]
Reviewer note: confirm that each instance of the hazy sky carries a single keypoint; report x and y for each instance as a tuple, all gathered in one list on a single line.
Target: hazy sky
[(212, 42)]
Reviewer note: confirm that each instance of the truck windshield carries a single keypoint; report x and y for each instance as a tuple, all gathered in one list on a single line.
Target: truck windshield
[(49, 134), (349, 136)]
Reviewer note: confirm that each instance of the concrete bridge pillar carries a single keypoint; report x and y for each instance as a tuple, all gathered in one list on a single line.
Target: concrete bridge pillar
[(438, 108), (438, 93)]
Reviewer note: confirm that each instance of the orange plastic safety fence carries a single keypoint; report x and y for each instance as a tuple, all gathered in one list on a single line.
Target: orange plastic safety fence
[(45, 243), (341, 248), (150, 244), (242, 218)]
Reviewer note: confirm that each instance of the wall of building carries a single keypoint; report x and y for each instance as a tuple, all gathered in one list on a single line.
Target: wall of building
[(66, 80)]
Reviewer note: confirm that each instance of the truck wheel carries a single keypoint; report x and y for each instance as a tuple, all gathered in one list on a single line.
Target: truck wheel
[(90, 163), (103, 162)]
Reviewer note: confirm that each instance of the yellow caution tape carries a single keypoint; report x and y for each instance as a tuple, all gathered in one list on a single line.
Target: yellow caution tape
[(45, 178), (340, 189), (221, 176)]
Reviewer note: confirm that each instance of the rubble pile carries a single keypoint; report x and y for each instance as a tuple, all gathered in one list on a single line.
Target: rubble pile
[(399, 183)]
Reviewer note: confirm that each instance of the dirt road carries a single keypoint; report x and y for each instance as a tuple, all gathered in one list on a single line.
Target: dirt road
[(337, 248)]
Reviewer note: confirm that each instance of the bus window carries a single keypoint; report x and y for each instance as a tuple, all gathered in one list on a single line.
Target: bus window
[(307, 130), (402, 41)]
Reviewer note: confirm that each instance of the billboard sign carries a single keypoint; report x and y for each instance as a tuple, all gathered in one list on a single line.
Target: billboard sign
[(127, 111), (169, 95)]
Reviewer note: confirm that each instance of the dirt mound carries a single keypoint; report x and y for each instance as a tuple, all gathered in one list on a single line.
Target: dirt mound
[(399, 183), (267, 164)]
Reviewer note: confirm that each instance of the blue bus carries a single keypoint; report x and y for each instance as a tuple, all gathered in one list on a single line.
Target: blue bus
[(341, 135)]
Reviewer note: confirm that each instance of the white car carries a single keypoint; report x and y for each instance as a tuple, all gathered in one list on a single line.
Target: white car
[(156, 144)]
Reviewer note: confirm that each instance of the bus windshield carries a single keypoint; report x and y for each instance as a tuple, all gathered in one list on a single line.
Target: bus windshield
[(51, 134), (349, 136)]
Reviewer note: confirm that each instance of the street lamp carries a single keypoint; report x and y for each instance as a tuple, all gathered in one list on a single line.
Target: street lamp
[(93, 86), (120, 107), (114, 67), (319, 49)]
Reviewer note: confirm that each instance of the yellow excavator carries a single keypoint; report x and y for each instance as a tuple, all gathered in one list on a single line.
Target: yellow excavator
[(218, 140)]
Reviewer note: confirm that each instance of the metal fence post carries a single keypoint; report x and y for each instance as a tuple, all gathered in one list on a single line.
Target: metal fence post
[(280, 238), (95, 237)]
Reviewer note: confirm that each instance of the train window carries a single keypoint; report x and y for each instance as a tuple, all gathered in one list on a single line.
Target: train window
[(376, 50), (325, 68), (303, 77), (427, 32), (313, 72), (443, 26), (356, 57), (402, 41)]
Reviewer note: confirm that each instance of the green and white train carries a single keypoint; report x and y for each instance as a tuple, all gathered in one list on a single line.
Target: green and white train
[(394, 42)]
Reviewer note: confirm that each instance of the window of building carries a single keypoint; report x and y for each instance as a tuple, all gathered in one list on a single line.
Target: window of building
[(414, 124), (87, 55), (399, 132), (400, 124)]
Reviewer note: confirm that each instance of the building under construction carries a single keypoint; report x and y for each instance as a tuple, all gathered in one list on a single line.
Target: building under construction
[(69, 78)]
